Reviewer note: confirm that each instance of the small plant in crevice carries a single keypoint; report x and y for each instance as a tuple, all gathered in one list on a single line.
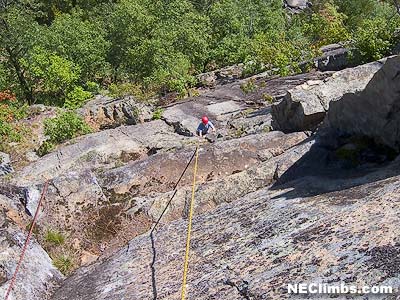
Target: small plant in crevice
[(54, 237), (268, 98), (239, 132), (64, 263), (157, 114), (249, 86)]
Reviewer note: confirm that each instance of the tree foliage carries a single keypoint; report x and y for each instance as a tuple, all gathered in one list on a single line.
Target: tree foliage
[(61, 51)]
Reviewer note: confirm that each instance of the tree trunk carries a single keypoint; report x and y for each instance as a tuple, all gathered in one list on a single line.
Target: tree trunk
[(21, 78)]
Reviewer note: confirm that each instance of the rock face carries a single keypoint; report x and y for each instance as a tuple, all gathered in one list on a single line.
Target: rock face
[(105, 112), (5, 164), (107, 208), (37, 275), (304, 107), (252, 248), (373, 112), (233, 111)]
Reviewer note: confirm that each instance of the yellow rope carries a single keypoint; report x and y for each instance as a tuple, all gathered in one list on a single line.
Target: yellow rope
[(186, 265)]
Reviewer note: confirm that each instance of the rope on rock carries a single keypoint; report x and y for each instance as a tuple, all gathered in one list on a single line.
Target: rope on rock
[(13, 279), (186, 264), (175, 191)]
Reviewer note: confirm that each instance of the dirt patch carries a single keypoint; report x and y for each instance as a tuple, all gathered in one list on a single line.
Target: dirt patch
[(128, 157), (112, 229), (106, 223)]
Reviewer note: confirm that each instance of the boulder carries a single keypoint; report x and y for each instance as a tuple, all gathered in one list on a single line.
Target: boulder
[(5, 164), (304, 107), (105, 112), (297, 3), (185, 117), (334, 58), (374, 111), (221, 76)]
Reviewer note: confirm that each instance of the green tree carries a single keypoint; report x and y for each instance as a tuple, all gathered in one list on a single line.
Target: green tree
[(326, 26), (375, 38), (18, 33), (235, 23), (82, 42), (49, 75)]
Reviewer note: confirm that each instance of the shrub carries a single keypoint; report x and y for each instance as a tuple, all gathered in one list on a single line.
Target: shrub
[(374, 39), (280, 51), (326, 26), (119, 90), (93, 87), (65, 126), (76, 98), (268, 98), (10, 111), (50, 75), (45, 147)]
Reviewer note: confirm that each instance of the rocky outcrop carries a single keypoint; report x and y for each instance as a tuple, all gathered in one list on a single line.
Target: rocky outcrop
[(105, 112), (296, 6), (37, 276), (271, 208), (233, 111), (374, 111), (312, 229), (304, 107), (5, 164), (101, 149), (221, 76), (297, 3)]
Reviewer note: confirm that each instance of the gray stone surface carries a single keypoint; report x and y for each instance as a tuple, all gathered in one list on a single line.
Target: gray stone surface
[(309, 230), (373, 112), (5, 164), (334, 58), (297, 3), (101, 148), (304, 107), (37, 276), (87, 204)]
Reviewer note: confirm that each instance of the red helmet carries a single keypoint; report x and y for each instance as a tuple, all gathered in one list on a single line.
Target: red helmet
[(204, 119)]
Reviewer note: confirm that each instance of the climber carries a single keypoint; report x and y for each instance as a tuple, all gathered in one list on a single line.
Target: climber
[(204, 127)]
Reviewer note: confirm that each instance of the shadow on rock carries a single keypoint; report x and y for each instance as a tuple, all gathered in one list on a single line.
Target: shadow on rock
[(324, 169)]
